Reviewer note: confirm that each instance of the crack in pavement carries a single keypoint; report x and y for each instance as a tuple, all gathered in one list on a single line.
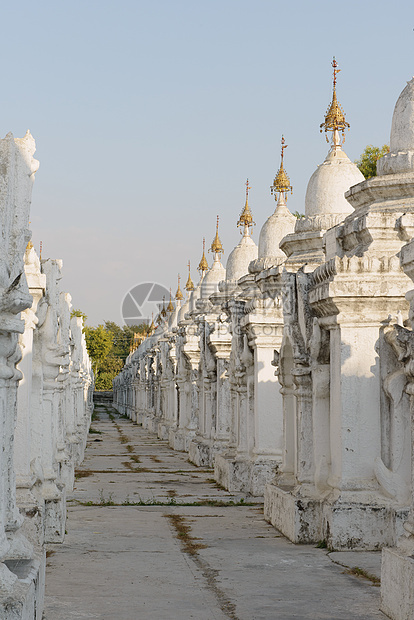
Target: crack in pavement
[(190, 546)]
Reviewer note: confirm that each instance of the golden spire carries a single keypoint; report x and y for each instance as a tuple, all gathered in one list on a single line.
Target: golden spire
[(179, 296), (246, 218), (203, 266), (163, 312), (170, 307), (281, 184), (335, 116), (216, 246), (152, 326), (189, 286)]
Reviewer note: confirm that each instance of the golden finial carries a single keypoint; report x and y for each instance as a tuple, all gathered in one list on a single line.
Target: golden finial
[(189, 286), (281, 183), (151, 328), (170, 307), (41, 248), (203, 266), (335, 116), (246, 218), (247, 189), (216, 246), (179, 296), (163, 312)]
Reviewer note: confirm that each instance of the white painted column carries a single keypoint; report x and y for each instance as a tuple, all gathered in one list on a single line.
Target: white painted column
[(354, 405), (268, 403)]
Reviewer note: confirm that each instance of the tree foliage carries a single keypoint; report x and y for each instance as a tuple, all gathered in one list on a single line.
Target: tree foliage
[(108, 347), (99, 345), (77, 312), (367, 163), (122, 337)]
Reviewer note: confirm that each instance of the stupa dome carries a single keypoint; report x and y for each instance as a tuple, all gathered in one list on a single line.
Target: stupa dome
[(334, 177), (195, 294), (400, 159), (239, 259), (217, 273), (277, 226), (402, 126), (183, 311), (328, 184), (211, 280)]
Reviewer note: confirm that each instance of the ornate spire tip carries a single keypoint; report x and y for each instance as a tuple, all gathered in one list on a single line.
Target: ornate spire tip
[(281, 183), (203, 264), (179, 296), (246, 218), (216, 246), (189, 286), (335, 115)]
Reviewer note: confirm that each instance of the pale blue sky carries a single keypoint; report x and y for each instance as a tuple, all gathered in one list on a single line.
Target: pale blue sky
[(149, 116)]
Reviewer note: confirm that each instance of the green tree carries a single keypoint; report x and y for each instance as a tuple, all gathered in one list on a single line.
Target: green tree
[(122, 337), (104, 381), (77, 312), (367, 163), (99, 345), (111, 367), (108, 347), (117, 337)]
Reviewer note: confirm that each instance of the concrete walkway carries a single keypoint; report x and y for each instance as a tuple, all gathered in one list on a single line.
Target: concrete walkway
[(151, 537)]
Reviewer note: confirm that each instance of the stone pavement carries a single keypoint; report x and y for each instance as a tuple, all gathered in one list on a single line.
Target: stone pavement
[(152, 537)]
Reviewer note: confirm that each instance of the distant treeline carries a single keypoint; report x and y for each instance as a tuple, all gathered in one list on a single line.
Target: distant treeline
[(108, 346)]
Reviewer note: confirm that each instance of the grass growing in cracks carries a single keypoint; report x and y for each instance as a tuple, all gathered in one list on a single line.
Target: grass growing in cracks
[(171, 501)]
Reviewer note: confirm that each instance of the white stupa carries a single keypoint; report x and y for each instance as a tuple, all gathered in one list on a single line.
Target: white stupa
[(325, 202), (217, 272), (400, 159), (196, 291), (175, 311), (277, 226), (185, 307)]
